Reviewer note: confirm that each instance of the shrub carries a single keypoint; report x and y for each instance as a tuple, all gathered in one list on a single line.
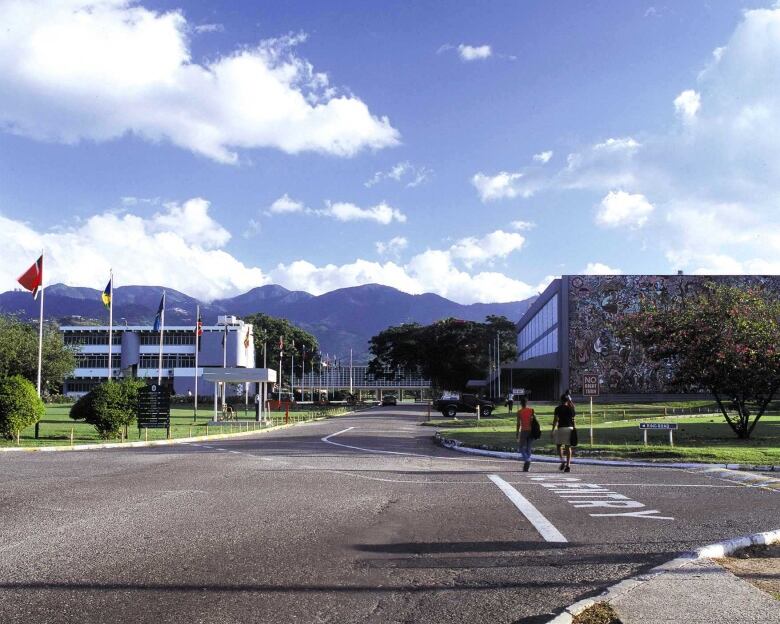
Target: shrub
[(20, 406), (109, 406)]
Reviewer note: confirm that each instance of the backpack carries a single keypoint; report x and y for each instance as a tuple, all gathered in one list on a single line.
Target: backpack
[(536, 429)]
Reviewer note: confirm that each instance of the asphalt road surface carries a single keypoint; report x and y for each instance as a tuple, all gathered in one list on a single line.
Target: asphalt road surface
[(355, 519)]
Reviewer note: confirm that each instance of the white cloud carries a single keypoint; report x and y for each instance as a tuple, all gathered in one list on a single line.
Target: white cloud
[(543, 157), (163, 250), (598, 268), (75, 70), (619, 208), (381, 213), (521, 226), (285, 204), (400, 172), (208, 28), (498, 244), (687, 105), (393, 247), (617, 145), (504, 185), (474, 53), (155, 251)]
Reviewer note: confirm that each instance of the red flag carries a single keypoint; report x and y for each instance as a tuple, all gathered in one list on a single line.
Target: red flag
[(32, 278)]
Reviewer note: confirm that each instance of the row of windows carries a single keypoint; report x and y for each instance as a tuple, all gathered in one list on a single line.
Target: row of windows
[(169, 338), (547, 344), (340, 377), (92, 339), (542, 321), (97, 360), (82, 385), (173, 360)]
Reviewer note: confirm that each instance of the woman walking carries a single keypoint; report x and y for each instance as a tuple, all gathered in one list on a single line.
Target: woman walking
[(525, 418), (563, 431)]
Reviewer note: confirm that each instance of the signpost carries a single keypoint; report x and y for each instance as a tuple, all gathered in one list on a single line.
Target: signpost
[(670, 427), (154, 408), (590, 388)]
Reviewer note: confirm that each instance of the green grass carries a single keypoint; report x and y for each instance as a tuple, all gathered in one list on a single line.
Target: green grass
[(55, 430), (698, 439)]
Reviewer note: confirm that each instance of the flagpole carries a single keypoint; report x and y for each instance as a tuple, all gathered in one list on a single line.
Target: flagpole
[(303, 375), (40, 330), (162, 329), (197, 340), (292, 372), (224, 365), (350, 371), (110, 322)]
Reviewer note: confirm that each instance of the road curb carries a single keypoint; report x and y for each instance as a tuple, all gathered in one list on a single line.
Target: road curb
[(712, 551), (146, 444), (457, 445)]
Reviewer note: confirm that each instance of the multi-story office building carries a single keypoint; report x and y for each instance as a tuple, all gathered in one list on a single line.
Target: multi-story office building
[(570, 330), (135, 351)]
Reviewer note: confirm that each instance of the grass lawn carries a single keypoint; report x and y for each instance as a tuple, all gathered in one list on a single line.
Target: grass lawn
[(699, 438), (55, 428)]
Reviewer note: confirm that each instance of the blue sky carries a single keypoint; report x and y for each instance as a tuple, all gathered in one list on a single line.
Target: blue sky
[(469, 149)]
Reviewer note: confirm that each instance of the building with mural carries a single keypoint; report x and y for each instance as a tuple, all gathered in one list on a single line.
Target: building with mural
[(570, 331)]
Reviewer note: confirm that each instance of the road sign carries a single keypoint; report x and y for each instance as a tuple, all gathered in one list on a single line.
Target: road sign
[(154, 407), (663, 426), (590, 384)]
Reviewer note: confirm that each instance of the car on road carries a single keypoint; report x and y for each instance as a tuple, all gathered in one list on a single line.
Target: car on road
[(451, 404), (389, 399)]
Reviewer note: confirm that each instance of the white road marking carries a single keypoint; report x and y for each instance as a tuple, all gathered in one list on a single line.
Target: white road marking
[(534, 516), (327, 440), (236, 452)]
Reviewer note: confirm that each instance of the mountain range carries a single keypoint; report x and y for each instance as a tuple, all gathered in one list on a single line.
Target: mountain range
[(341, 320)]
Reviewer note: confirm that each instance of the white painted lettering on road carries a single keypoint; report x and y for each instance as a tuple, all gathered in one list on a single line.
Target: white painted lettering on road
[(534, 516), (594, 496)]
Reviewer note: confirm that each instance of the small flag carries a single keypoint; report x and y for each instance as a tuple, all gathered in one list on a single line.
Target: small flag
[(246, 339), (199, 327), (158, 319), (32, 278), (106, 295), (281, 346)]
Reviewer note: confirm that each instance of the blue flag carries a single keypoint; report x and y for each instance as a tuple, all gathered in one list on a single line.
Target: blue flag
[(158, 319)]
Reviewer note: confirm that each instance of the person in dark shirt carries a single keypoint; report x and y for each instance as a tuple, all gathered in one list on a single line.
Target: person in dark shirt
[(562, 429)]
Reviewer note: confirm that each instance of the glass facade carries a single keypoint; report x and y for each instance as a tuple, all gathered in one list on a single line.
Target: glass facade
[(540, 334)]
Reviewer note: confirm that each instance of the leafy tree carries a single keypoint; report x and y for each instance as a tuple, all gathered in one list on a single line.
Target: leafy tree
[(20, 405), (725, 340), (448, 352), (269, 329), (19, 353), (109, 406)]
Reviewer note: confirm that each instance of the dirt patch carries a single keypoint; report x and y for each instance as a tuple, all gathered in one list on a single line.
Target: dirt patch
[(759, 565), (599, 613)]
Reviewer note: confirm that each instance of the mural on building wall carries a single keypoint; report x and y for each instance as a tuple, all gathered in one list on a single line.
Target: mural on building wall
[(595, 304)]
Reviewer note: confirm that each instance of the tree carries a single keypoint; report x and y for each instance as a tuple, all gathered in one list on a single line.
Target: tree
[(448, 352), (19, 353), (725, 340), (269, 329), (109, 406), (20, 405)]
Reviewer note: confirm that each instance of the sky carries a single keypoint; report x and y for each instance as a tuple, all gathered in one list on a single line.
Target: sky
[(471, 149)]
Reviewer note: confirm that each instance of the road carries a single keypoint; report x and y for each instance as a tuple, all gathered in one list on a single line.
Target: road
[(354, 519)]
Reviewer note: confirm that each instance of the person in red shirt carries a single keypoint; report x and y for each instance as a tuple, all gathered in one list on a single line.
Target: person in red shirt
[(525, 417)]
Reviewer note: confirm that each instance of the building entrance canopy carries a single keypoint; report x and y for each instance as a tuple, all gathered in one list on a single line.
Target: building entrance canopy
[(218, 376)]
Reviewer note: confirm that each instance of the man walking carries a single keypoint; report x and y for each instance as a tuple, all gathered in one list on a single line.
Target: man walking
[(525, 418)]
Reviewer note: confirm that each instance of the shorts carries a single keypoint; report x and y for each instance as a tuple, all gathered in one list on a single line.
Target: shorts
[(562, 435)]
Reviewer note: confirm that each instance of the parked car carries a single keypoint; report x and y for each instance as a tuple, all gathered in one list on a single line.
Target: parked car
[(389, 399), (451, 404)]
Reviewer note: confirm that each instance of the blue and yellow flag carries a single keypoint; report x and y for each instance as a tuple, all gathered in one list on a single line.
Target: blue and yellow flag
[(106, 295)]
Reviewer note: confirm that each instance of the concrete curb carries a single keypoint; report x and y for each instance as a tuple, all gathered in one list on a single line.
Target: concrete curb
[(140, 444), (456, 445), (712, 551)]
